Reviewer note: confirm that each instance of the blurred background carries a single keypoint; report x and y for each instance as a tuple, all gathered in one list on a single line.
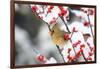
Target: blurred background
[(32, 38)]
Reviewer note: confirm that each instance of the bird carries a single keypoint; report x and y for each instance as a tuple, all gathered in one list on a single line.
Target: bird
[(59, 37)]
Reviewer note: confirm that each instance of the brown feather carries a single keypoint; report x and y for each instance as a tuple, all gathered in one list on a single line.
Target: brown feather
[(58, 36)]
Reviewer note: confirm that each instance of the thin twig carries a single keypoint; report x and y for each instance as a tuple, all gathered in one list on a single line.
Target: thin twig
[(72, 44), (71, 40), (60, 53), (84, 56), (65, 25), (69, 32), (90, 26)]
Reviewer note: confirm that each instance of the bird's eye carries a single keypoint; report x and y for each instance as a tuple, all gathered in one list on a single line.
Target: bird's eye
[(53, 31)]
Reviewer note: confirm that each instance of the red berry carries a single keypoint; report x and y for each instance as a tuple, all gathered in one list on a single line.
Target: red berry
[(86, 24), (34, 8), (62, 11), (90, 53), (74, 29), (78, 42), (85, 11), (60, 7), (69, 50), (82, 46), (78, 54), (53, 20), (66, 36), (89, 58), (74, 45), (91, 48), (51, 7), (40, 17), (59, 14), (88, 44), (40, 58), (69, 57), (81, 50), (90, 11), (49, 11)]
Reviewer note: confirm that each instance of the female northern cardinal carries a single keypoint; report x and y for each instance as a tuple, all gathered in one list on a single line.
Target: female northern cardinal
[(59, 37)]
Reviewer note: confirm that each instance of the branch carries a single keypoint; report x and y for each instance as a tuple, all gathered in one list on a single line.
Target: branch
[(84, 56), (65, 25), (90, 26), (71, 40), (60, 53)]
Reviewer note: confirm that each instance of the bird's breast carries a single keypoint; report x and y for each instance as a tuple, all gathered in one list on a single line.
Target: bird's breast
[(58, 39)]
